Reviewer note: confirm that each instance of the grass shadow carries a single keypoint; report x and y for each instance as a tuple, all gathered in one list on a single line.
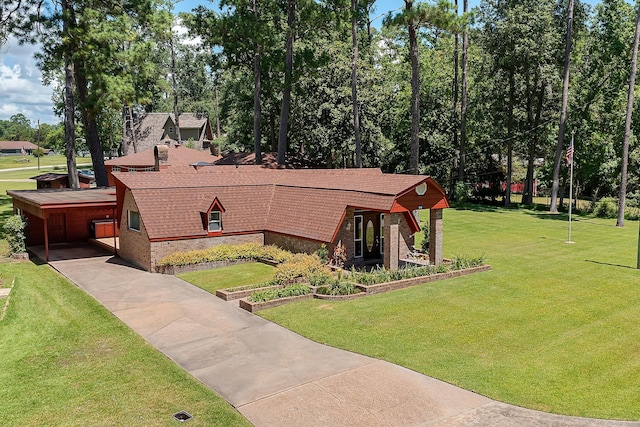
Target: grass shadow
[(610, 264)]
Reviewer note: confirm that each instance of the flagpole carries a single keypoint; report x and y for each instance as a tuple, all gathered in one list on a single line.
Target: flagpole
[(573, 132)]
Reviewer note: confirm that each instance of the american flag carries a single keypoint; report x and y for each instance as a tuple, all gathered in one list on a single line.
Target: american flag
[(569, 156)]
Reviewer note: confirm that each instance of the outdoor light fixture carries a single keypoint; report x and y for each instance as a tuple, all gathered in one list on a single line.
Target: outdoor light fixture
[(348, 226)]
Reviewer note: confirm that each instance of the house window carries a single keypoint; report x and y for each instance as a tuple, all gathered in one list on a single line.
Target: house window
[(171, 130), (215, 221), (357, 236), (381, 234), (115, 169), (134, 220)]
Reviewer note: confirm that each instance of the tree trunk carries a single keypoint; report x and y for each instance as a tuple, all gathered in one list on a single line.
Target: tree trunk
[(415, 93), (527, 197), (174, 81), (257, 134), (510, 136), (217, 113), (627, 127), (563, 112), (354, 81), (463, 98), (454, 115), (69, 104), (286, 90), (90, 126)]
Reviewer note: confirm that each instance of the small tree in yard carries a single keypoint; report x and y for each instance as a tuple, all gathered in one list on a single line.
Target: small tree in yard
[(14, 233)]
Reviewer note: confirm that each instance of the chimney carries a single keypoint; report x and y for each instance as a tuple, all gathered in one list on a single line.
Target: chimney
[(161, 156)]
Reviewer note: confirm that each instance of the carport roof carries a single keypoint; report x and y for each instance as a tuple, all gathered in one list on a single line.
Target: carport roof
[(49, 198)]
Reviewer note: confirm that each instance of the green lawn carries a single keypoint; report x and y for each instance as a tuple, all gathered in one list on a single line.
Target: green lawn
[(9, 162), (229, 277), (554, 326), (65, 360)]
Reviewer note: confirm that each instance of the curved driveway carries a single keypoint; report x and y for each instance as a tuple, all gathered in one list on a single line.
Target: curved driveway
[(273, 376)]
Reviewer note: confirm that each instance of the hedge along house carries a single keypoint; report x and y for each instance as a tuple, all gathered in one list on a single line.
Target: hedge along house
[(181, 209)]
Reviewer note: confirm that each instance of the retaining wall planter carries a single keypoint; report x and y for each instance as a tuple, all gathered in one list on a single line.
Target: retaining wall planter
[(340, 297), (405, 283), (230, 294), (256, 306)]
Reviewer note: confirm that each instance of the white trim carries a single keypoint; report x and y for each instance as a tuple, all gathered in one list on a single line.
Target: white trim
[(216, 222), (358, 242), (129, 212)]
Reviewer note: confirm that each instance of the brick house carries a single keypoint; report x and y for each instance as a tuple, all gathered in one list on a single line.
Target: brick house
[(185, 208)]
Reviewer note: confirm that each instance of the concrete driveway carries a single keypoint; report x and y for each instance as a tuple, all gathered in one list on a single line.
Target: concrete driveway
[(273, 376)]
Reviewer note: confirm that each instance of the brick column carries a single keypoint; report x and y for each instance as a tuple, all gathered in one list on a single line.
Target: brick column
[(391, 241), (435, 236)]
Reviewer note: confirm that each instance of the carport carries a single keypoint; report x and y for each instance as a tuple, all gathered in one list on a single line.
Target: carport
[(66, 215)]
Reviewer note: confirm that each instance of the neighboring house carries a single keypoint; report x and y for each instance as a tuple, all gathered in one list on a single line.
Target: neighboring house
[(370, 213), (17, 148), (170, 155), (154, 128), (61, 180)]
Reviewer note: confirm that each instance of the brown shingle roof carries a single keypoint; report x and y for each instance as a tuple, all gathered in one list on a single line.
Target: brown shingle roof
[(17, 145), (178, 155), (304, 203)]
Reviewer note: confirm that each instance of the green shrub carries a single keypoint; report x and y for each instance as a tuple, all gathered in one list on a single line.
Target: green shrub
[(14, 231), (301, 265), (461, 193), (323, 253), (319, 279), (381, 275), (338, 288), (607, 207), (271, 294), (632, 213), (227, 253)]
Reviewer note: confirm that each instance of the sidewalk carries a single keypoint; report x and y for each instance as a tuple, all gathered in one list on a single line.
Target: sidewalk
[(273, 376)]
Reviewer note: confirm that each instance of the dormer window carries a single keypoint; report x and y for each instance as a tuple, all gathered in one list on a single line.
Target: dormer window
[(215, 221), (212, 218)]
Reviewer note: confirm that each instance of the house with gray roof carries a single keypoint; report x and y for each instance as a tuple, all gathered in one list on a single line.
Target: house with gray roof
[(152, 129)]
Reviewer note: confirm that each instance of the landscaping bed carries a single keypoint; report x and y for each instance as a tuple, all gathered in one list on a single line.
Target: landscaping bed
[(263, 305), (242, 291), (405, 283)]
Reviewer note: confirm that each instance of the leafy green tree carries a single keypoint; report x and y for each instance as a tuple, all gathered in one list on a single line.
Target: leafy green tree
[(413, 17)]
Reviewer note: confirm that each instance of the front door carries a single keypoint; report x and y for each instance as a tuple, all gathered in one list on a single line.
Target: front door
[(371, 223)]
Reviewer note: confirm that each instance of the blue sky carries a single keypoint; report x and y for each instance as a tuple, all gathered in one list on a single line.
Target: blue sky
[(22, 91)]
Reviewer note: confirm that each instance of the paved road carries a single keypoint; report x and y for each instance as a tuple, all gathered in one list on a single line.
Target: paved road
[(273, 376)]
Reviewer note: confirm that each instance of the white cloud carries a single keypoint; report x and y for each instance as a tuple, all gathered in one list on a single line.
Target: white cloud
[(21, 86)]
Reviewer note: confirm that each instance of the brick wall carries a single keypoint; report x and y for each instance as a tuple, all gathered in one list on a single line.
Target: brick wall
[(292, 244), (160, 250), (134, 245)]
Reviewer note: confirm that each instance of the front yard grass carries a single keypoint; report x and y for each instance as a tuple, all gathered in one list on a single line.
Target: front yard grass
[(65, 360), (230, 277), (553, 327)]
